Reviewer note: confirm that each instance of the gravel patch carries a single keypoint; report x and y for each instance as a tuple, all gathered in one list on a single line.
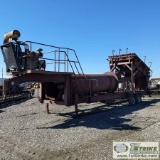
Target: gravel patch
[(28, 132)]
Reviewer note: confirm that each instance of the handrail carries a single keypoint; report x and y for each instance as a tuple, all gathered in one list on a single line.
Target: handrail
[(57, 61)]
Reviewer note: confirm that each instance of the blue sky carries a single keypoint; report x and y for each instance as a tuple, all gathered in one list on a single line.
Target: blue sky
[(92, 27)]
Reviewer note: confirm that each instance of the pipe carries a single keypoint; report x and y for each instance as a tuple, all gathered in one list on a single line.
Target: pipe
[(107, 82)]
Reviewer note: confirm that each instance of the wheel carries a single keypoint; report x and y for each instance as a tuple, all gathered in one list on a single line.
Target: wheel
[(138, 98), (29, 95), (132, 101)]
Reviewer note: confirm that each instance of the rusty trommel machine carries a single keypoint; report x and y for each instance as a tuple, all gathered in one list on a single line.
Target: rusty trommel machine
[(62, 80)]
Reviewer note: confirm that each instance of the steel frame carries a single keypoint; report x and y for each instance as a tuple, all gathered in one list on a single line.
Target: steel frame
[(129, 67)]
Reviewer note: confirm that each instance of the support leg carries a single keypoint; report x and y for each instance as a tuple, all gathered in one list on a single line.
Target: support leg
[(76, 105), (4, 91), (47, 107)]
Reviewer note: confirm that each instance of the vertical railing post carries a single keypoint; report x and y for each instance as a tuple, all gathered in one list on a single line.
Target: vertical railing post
[(67, 61), (59, 60), (55, 61), (64, 62), (30, 56)]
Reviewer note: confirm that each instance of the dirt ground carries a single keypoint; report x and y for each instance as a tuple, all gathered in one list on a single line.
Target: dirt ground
[(27, 132)]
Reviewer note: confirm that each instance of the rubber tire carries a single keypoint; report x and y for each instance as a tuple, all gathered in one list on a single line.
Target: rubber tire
[(132, 101), (138, 98), (29, 95)]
